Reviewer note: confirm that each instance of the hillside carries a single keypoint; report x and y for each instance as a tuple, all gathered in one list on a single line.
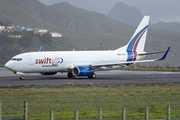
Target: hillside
[(16, 15), (126, 14), (68, 20), (5, 19), (86, 39), (174, 26), (107, 24)]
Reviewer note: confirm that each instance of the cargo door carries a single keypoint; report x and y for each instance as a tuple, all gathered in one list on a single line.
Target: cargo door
[(31, 60)]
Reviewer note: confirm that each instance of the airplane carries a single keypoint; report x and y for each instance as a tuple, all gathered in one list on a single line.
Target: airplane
[(84, 63)]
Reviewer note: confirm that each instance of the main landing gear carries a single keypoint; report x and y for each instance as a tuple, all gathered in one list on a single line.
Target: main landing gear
[(70, 75), (93, 76)]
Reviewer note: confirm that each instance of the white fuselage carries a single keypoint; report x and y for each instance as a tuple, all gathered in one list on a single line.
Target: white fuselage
[(55, 61)]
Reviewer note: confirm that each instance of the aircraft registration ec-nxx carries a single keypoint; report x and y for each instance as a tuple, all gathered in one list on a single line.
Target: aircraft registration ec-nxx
[(84, 63)]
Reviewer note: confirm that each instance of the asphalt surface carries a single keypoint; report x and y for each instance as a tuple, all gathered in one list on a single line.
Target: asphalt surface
[(102, 77)]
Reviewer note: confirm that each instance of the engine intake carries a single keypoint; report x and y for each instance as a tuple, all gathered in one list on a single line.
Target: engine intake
[(82, 71)]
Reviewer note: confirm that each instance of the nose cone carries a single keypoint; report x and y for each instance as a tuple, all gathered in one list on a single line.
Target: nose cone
[(9, 65)]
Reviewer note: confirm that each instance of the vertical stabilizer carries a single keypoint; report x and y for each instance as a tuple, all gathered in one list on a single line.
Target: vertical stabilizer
[(137, 42)]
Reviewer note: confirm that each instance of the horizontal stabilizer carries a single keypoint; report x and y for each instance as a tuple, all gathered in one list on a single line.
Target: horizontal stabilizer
[(150, 53), (165, 54)]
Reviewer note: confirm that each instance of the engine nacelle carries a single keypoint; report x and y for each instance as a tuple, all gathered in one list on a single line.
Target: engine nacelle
[(48, 73), (82, 71)]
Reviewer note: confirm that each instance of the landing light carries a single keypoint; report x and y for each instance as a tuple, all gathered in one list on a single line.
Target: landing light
[(71, 67)]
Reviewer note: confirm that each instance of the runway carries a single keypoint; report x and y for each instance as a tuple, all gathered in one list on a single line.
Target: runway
[(114, 77)]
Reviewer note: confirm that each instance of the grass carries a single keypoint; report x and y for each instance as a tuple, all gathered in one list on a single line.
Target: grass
[(88, 100)]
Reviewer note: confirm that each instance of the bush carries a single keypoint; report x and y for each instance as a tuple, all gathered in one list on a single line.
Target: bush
[(25, 41), (46, 38), (141, 109), (84, 112), (153, 107), (89, 84), (71, 83)]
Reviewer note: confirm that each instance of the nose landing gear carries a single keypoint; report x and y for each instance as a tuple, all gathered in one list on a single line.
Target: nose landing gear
[(21, 77)]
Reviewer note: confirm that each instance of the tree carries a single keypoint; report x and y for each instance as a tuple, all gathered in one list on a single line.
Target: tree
[(25, 41), (46, 38)]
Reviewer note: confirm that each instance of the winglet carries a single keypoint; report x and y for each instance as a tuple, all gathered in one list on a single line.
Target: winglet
[(165, 54), (41, 49)]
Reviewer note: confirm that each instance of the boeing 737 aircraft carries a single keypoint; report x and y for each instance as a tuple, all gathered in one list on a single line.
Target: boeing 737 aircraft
[(84, 63)]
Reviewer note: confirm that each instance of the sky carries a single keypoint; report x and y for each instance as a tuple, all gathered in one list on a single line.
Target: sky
[(159, 10)]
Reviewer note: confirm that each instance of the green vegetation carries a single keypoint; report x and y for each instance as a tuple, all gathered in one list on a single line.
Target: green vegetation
[(89, 99)]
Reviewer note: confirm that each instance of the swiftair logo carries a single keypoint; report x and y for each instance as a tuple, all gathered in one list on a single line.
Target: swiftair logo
[(54, 61)]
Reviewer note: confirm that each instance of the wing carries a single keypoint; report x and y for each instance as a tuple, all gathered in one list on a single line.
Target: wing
[(129, 62)]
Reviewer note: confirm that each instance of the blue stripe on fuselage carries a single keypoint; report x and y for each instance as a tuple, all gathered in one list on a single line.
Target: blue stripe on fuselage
[(130, 56)]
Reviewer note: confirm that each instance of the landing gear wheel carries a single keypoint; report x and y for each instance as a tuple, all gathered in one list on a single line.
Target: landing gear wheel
[(93, 76), (89, 77), (21, 77), (70, 75)]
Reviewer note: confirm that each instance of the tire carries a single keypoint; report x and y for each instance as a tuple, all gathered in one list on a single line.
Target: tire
[(70, 75), (89, 77), (93, 76), (21, 77)]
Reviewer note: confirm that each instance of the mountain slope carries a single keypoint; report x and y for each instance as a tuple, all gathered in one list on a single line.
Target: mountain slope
[(46, 14), (68, 20), (83, 38), (9, 48), (174, 26), (102, 20), (125, 14)]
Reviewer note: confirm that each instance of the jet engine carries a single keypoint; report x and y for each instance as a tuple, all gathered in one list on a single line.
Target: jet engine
[(82, 71)]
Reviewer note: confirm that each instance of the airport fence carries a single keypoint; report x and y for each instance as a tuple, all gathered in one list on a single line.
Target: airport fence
[(123, 115)]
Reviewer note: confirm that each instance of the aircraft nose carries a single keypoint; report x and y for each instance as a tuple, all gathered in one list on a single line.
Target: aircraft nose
[(9, 65)]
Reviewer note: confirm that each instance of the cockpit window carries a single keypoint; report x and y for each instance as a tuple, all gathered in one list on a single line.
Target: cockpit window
[(13, 59), (19, 59), (16, 59)]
